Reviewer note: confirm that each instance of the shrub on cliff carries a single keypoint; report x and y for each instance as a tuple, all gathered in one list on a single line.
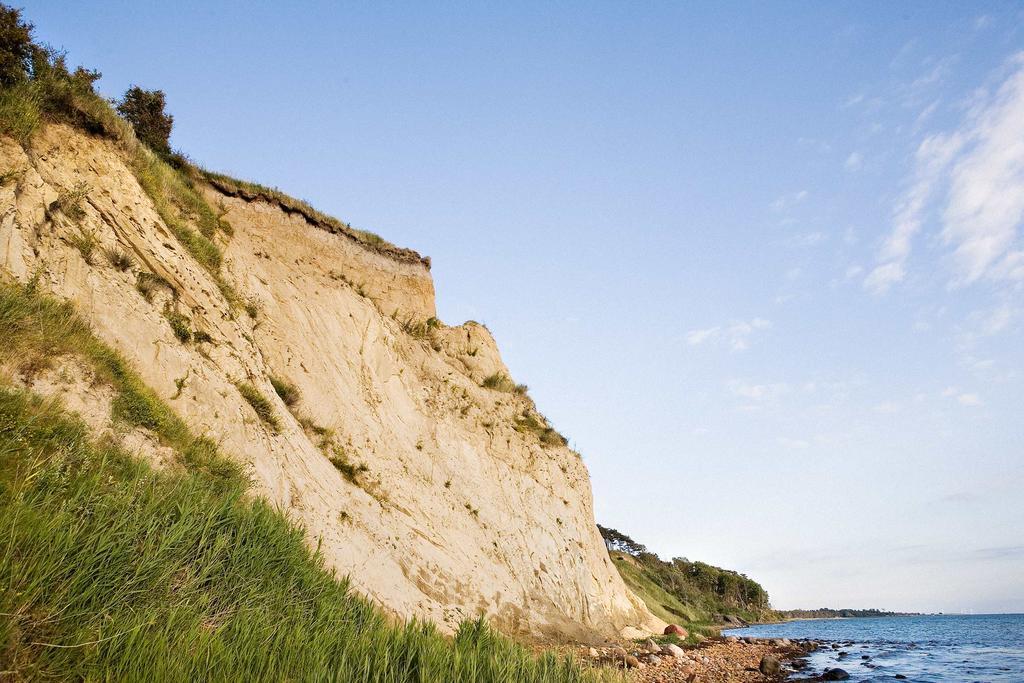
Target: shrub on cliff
[(36, 84), (144, 109)]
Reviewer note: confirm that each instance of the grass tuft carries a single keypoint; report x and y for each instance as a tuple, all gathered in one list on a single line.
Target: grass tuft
[(264, 409), (351, 472), (119, 259), (499, 381), (148, 284), (69, 202), (85, 241), (288, 392), (180, 325), (253, 306), (529, 423)]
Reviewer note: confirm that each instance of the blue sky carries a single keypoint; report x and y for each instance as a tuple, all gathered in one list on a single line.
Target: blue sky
[(762, 263)]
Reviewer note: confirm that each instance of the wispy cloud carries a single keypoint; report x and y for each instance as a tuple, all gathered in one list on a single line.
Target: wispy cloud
[(788, 201), (969, 400), (758, 392), (819, 146), (854, 161), (809, 239), (698, 337), (736, 335), (932, 157), (963, 398), (986, 197), (1001, 552), (980, 168)]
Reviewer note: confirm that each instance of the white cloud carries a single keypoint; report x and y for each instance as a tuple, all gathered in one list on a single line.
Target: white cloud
[(963, 398), (937, 74), (925, 114), (904, 53), (982, 22), (969, 400), (987, 323), (980, 166), (884, 276), (758, 392), (792, 444), (853, 101), (986, 197), (819, 146), (788, 201), (698, 337), (736, 335), (854, 161), (997, 321)]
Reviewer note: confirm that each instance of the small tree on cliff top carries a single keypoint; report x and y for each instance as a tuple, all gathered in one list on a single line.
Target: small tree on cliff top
[(144, 109), (620, 542)]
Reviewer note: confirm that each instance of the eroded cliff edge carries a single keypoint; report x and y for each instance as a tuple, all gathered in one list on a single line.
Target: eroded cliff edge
[(445, 498)]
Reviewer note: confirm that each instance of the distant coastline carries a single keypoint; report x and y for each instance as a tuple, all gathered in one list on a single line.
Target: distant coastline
[(829, 613)]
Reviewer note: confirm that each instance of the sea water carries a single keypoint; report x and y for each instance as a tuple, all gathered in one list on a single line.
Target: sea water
[(981, 647)]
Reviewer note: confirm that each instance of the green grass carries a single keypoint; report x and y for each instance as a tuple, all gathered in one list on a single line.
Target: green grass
[(114, 571), (20, 116), (174, 198), (690, 593), (664, 605), (38, 329)]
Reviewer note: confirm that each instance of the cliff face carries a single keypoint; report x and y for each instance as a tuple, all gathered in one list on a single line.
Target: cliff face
[(444, 500)]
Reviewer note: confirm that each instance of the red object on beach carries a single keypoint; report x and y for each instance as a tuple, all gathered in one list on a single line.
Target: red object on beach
[(674, 629)]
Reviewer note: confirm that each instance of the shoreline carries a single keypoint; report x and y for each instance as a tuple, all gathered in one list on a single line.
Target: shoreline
[(722, 659)]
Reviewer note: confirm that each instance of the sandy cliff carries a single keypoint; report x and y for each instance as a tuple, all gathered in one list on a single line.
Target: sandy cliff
[(445, 500)]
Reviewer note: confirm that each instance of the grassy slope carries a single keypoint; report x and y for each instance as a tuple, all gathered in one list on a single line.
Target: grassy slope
[(663, 604), (691, 608), (111, 570)]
